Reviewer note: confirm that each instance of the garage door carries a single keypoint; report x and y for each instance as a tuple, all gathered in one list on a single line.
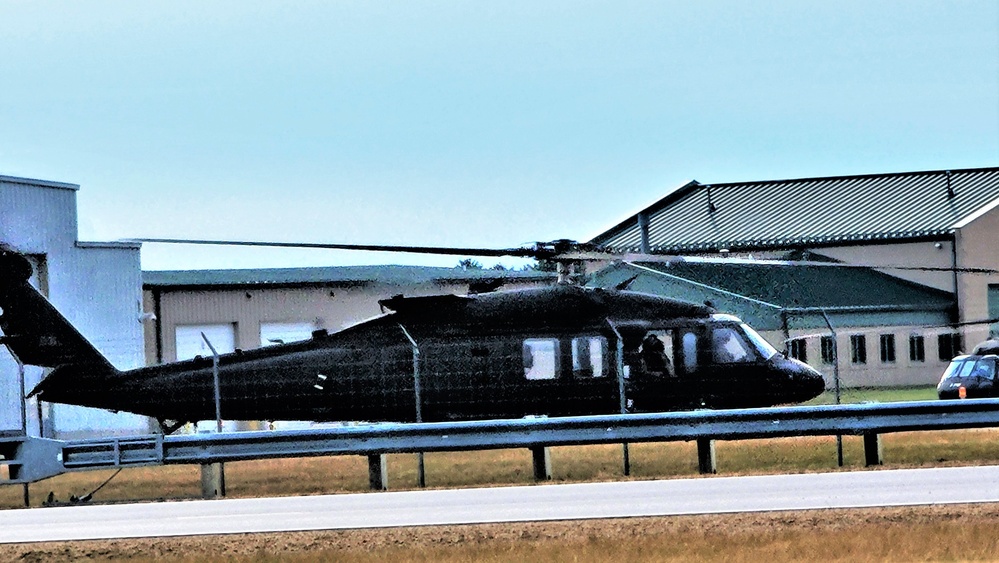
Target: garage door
[(283, 333), (191, 344)]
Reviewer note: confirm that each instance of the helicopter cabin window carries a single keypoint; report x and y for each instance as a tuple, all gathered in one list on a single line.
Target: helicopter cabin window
[(541, 358), (689, 341), (589, 357), (729, 347)]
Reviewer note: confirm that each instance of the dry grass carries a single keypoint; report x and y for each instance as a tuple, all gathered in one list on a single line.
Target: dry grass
[(940, 533)]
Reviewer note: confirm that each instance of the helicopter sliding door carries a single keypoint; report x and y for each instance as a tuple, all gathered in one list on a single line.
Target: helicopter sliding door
[(663, 368), (566, 375), (510, 376)]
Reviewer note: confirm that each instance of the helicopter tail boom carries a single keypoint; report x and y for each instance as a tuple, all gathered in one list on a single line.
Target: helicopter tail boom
[(36, 333)]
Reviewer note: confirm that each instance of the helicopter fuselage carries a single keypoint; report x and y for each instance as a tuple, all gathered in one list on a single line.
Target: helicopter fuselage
[(553, 351)]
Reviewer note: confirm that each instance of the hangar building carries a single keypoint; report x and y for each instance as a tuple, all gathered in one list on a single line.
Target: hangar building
[(251, 308), (893, 326), (96, 285)]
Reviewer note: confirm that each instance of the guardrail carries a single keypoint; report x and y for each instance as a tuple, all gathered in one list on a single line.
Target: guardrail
[(33, 459)]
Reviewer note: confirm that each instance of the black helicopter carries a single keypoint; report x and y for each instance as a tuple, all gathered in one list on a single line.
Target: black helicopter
[(972, 376), (553, 351)]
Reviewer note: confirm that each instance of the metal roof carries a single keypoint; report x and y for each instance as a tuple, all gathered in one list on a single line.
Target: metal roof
[(761, 293), (810, 212), (805, 286), (334, 275)]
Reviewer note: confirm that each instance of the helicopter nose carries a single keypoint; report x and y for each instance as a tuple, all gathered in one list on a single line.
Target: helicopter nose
[(809, 381), (805, 380)]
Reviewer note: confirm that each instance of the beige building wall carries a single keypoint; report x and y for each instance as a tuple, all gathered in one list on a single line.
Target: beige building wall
[(328, 308), (874, 373), (934, 254), (978, 247)]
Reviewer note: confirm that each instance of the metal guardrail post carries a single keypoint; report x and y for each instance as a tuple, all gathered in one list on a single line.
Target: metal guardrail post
[(706, 461), (542, 463), (872, 449), (377, 472), (421, 468)]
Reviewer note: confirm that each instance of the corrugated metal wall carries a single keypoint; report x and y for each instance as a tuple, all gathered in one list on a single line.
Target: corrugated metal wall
[(96, 286)]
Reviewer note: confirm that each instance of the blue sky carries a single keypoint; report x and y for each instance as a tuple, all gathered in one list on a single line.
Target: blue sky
[(469, 123)]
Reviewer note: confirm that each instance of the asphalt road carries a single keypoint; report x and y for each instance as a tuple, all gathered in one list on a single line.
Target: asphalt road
[(506, 504)]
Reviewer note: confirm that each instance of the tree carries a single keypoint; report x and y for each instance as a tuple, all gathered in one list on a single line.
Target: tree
[(542, 266), (469, 264)]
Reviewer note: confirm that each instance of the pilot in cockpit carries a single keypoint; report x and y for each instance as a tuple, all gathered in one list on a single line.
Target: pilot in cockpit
[(654, 356)]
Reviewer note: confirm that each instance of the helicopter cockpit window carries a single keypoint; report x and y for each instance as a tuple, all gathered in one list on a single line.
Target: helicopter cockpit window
[(589, 356), (728, 346), (541, 358), (765, 349), (985, 368)]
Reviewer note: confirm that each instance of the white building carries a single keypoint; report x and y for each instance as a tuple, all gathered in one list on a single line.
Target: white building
[(96, 286)]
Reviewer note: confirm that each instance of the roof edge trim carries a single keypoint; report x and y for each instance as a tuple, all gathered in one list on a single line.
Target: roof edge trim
[(977, 214), (39, 183), (675, 193)]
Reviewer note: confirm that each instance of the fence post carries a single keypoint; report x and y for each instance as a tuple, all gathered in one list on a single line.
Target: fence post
[(213, 474), (421, 470), (621, 392)]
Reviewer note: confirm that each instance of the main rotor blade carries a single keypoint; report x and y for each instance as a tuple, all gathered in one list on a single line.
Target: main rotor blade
[(667, 259), (531, 252), (563, 250)]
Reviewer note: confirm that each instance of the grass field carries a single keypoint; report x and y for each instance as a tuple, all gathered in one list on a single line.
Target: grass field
[(879, 395)]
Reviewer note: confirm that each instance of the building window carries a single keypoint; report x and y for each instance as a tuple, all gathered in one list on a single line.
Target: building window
[(858, 348), (887, 348), (917, 348), (799, 349), (828, 346), (948, 346), (541, 358)]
